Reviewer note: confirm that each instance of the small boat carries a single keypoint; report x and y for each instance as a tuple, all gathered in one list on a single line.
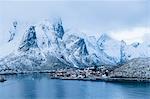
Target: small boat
[(2, 79)]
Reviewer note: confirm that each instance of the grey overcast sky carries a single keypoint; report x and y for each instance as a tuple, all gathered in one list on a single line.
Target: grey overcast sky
[(123, 19)]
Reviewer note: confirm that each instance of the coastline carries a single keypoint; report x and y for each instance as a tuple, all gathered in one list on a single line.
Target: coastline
[(108, 79), (87, 74)]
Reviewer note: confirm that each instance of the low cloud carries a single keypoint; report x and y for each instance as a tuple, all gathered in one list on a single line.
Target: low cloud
[(139, 34)]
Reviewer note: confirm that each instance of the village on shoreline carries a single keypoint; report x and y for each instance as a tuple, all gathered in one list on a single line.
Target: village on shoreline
[(102, 73), (88, 73)]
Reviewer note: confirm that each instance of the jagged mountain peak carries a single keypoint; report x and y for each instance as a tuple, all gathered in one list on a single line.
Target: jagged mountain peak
[(82, 46), (49, 41), (58, 29), (29, 40), (53, 26), (43, 35)]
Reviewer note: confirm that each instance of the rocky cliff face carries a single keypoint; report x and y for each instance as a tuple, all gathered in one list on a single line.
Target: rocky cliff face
[(29, 40)]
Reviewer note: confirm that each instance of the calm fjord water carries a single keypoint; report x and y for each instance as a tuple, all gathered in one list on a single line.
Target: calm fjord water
[(37, 86)]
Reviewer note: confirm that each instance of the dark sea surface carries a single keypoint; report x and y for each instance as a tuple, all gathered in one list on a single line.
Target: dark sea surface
[(40, 86)]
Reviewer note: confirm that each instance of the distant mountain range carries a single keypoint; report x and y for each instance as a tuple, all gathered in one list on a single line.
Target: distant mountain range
[(46, 45)]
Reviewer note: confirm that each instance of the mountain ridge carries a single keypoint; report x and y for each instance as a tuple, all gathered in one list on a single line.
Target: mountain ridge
[(48, 44)]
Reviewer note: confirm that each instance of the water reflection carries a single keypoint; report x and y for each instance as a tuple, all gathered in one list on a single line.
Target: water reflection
[(28, 88), (132, 90), (35, 86)]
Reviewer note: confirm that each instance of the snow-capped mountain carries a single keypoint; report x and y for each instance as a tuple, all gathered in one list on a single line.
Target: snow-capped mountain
[(122, 52), (46, 45), (137, 50), (111, 47), (11, 39)]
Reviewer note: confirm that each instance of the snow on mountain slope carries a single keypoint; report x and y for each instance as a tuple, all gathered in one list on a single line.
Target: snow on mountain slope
[(135, 68), (122, 52), (29, 40), (98, 56), (45, 38), (26, 57), (81, 52), (30, 56), (140, 50), (46, 45), (45, 41), (11, 43), (109, 46), (49, 35), (76, 50), (49, 40)]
